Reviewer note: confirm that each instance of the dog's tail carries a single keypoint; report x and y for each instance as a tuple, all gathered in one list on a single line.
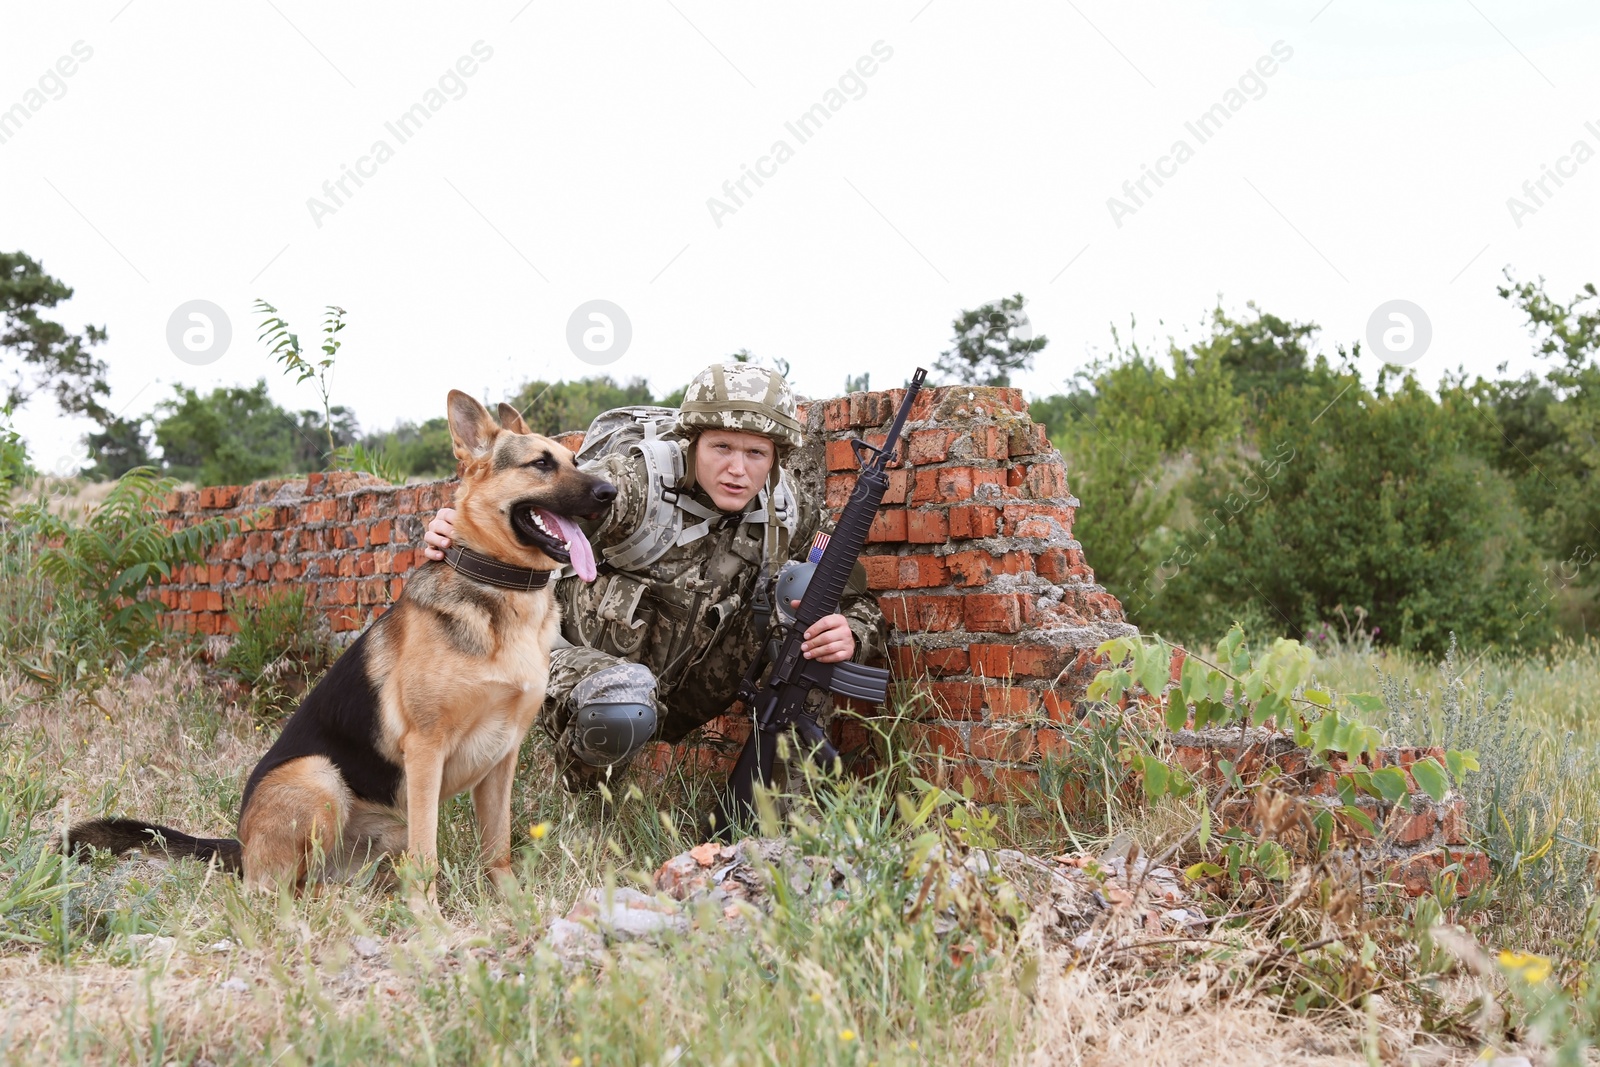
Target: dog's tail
[(120, 835)]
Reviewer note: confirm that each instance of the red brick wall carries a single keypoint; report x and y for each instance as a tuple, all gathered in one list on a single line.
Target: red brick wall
[(992, 606)]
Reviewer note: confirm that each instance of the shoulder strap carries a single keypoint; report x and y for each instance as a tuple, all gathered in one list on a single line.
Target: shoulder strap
[(662, 521)]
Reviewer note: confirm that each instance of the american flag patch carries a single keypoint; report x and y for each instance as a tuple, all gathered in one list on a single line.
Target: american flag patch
[(817, 547)]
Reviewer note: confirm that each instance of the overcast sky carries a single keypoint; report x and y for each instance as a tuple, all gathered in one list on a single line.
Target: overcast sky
[(1359, 152)]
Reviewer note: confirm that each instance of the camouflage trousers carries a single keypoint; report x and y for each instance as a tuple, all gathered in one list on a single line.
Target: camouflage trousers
[(679, 710)]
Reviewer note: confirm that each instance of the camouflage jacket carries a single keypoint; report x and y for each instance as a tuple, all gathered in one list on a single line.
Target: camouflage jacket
[(687, 615)]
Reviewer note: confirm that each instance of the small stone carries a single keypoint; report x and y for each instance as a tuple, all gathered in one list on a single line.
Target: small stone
[(234, 985), (627, 913), (568, 937), (366, 947), (681, 877), (221, 946)]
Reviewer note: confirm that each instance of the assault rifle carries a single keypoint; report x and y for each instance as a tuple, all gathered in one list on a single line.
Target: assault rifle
[(779, 702)]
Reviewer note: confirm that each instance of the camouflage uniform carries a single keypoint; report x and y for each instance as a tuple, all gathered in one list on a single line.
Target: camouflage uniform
[(690, 610)]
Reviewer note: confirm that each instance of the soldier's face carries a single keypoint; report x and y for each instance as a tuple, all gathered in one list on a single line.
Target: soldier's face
[(732, 466)]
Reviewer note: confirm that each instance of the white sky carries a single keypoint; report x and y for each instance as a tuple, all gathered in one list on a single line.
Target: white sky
[(178, 163)]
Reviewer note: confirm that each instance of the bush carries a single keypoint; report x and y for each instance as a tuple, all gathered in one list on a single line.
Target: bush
[(90, 581), (1355, 497), (278, 651)]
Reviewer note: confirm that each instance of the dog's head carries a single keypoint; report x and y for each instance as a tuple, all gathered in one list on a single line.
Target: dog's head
[(521, 493)]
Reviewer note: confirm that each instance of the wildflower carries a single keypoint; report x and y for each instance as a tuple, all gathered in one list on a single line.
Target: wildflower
[(1525, 965), (847, 1035), (538, 830)]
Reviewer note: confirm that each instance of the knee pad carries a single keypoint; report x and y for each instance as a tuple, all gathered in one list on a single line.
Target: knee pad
[(613, 713)]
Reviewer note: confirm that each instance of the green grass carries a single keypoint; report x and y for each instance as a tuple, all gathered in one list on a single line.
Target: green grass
[(843, 979), (152, 962), (1535, 724)]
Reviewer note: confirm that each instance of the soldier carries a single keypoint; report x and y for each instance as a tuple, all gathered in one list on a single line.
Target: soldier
[(704, 516)]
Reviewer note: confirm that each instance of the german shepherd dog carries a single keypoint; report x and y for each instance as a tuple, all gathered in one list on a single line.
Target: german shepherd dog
[(433, 699)]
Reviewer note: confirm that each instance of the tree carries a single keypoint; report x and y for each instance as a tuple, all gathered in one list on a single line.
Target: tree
[(119, 446), (990, 343), (232, 436), (416, 451), (777, 363), (1132, 431), (14, 465), (48, 355), (1546, 432), (1263, 355), (1354, 496), (558, 407)]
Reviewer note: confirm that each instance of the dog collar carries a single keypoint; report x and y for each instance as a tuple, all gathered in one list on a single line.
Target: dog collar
[(493, 572)]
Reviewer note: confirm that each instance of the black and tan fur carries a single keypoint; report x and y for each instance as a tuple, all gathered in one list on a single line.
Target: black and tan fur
[(433, 699)]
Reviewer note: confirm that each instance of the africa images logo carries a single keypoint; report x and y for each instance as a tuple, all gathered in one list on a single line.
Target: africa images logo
[(1252, 85), (404, 127), (802, 129)]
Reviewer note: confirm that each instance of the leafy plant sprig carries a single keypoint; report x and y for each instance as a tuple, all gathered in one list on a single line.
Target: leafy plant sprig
[(284, 344), (1268, 691), (119, 552)]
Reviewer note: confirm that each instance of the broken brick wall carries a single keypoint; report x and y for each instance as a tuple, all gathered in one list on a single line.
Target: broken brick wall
[(993, 610), (992, 607)]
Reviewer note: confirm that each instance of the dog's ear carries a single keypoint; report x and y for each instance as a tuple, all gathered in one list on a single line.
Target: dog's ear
[(511, 419), (471, 429)]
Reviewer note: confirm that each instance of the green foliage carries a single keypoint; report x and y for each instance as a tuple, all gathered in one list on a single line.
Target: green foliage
[(1131, 432), (777, 363), (120, 445), (413, 451), (277, 651), (1540, 842), (34, 880), (48, 355), (284, 345), (113, 558), (1255, 482), (558, 407), (376, 462), (14, 465), (232, 436), (990, 343), (235, 434), (1261, 355), (1544, 431), (1265, 688), (1369, 497)]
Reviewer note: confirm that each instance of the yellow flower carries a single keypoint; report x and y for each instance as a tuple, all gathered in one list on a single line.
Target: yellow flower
[(538, 830), (576, 1061), (847, 1035), (1525, 965)]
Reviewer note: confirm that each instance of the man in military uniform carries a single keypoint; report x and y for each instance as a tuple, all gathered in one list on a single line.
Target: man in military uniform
[(704, 516)]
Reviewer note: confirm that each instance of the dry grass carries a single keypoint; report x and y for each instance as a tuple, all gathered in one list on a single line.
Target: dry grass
[(157, 962)]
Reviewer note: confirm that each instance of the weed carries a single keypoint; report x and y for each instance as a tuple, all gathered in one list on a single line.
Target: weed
[(279, 650)]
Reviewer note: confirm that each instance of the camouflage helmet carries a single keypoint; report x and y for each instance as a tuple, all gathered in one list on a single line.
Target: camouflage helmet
[(740, 396)]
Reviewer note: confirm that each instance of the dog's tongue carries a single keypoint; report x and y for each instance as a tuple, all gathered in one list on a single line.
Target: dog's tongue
[(578, 546)]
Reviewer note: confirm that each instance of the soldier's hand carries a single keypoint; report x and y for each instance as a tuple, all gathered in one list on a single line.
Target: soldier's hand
[(829, 639), (437, 536)]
